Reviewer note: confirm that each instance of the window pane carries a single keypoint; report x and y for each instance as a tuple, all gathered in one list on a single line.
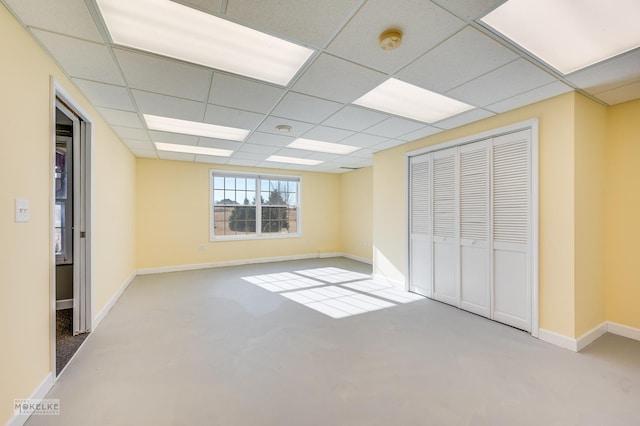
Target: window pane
[(292, 215), (218, 196), (218, 182), (251, 184), (59, 223), (229, 183)]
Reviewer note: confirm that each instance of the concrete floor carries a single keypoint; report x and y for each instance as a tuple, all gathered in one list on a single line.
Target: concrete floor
[(210, 348)]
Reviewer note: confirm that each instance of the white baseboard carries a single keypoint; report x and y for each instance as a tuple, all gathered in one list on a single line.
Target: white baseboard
[(558, 339), (576, 345), (64, 304), (196, 266), (103, 313), (591, 336), (348, 256), (39, 393), (623, 330)]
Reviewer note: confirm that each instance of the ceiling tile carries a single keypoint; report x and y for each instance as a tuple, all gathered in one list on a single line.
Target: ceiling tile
[(424, 26), (242, 155), (70, 17), (285, 166), (348, 160), (470, 9), (296, 153), (305, 108), (512, 79), (211, 159), (464, 118), (136, 144), (259, 138), (616, 72), (309, 22), (323, 156), (388, 144), (355, 118), (178, 156), (258, 149), (243, 163), (240, 93), (327, 134), (364, 140), (230, 117), (419, 134), (209, 6), (297, 127), (105, 95), (219, 143), (168, 106), (176, 138), (337, 80), (165, 76), (362, 153), (620, 94), (394, 127), (144, 153), (547, 91), (115, 117), (82, 59), (465, 56), (131, 133)]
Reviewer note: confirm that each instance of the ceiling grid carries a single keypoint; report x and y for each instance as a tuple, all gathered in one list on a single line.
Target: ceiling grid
[(446, 49)]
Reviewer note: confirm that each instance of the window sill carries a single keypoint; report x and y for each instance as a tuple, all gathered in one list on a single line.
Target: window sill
[(253, 238)]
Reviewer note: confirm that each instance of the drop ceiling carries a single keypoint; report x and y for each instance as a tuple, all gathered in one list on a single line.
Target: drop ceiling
[(445, 50)]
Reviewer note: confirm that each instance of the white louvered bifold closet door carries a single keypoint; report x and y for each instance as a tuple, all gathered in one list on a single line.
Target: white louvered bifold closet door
[(420, 224), (445, 223), (511, 228), (475, 260)]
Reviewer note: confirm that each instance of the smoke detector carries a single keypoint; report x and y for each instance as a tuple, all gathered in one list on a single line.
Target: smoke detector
[(390, 39)]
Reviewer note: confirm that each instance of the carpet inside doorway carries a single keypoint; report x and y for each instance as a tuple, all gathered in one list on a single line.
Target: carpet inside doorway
[(66, 343)]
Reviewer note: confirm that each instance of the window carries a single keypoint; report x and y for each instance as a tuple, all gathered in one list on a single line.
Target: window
[(63, 206), (254, 206)]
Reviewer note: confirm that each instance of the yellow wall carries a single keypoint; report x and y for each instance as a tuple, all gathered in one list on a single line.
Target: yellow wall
[(26, 250), (590, 153), (623, 215), (114, 215), (556, 227), (173, 217), (356, 214)]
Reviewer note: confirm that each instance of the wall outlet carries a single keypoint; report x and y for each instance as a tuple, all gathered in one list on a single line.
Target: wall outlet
[(201, 247), (22, 210)]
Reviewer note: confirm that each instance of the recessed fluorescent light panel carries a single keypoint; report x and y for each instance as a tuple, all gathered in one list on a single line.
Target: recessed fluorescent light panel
[(293, 160), (331, 148), (189, 149), (173, 125), (404, 99), (569, 34), (171, 29)]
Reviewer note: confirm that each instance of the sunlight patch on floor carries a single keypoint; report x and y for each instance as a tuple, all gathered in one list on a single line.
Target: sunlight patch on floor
[(332, 291)]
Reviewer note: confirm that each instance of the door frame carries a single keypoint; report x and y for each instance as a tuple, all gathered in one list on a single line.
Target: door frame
[(82, 210), (531, 125)]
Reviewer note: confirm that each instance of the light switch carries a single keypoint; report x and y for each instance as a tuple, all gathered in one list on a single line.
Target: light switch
[(22, 210)]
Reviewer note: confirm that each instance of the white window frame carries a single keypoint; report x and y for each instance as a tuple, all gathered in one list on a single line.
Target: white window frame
[(258, 234)]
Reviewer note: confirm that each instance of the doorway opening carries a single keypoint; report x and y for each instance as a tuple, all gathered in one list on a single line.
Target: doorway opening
[(71, 236)]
